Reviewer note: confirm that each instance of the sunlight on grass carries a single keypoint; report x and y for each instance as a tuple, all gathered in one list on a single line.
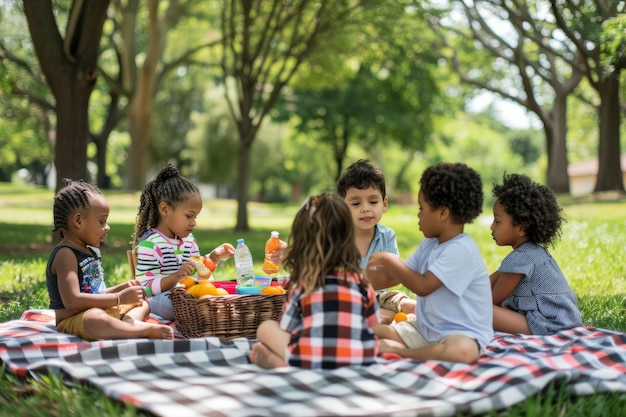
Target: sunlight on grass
[(590, 253)]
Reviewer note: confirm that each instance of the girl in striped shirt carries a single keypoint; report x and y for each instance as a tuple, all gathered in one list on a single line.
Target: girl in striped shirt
[(163, 238)]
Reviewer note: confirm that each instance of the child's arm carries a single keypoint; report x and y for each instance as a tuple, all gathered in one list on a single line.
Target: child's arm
[(123, 286), (385, 270), (65, 267), (503, 284), (148, 271), (221, 253)]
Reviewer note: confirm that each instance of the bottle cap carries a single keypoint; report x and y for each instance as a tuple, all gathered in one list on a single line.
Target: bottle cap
[(240, 240), (275, 233)]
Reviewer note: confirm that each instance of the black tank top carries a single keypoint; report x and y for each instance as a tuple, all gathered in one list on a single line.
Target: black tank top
[(90, 275)]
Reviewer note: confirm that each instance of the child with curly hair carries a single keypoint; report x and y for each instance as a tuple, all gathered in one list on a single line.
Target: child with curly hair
[(453, 311), (530, 293), (163, 238), (331, 307), (82, 303)]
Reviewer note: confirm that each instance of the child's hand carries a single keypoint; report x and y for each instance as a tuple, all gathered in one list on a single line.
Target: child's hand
[(129, 283), (222, 252), (186, 269), (277, 255), (131, 295)]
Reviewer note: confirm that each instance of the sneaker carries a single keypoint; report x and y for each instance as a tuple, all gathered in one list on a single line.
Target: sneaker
[(390, 300)]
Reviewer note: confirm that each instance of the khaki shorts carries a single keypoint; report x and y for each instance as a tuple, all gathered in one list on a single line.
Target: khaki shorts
[(413, 338), (75, 325)]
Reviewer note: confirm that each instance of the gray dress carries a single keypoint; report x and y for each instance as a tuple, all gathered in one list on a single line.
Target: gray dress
[(543, 295)]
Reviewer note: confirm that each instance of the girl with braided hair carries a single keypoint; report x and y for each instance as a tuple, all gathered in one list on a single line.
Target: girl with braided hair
[(82, 303), (163, 238)]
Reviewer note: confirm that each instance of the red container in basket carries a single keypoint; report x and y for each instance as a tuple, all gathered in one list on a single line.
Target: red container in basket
[(230, 286)]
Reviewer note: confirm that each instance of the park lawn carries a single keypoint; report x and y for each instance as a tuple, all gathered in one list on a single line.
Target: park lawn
[(590, 254)]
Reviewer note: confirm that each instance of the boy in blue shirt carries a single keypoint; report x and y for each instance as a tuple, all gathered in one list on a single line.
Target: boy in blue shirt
[(362, 187), (453, 309)]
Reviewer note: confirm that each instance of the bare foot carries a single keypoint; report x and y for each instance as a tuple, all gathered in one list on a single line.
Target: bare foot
[(261, 356), (157, 331)]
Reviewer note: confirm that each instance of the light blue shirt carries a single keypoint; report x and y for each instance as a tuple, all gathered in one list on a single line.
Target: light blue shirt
[(384, 241), (463, 303)]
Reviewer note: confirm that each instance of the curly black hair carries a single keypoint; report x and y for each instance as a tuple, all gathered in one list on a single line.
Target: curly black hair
[(455, 186), (532, 206), (361, 174)]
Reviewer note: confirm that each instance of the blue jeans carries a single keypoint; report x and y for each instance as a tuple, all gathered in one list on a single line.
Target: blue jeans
[(161, 305)]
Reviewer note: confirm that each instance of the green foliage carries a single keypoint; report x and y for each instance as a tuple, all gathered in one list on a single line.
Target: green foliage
[(613, 42)]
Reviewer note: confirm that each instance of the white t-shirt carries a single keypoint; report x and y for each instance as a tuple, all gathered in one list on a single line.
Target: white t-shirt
[(463, 303)]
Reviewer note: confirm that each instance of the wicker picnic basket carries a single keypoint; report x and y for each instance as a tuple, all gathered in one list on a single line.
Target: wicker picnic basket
[(227, 317)]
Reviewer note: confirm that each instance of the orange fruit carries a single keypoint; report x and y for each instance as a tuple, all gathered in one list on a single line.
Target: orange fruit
[(272, 290), (399, 316), (188, 282), (219, 291), (204, 266), (201, 288)]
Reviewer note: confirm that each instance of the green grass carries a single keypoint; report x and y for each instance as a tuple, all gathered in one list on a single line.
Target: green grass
[(591, 254)]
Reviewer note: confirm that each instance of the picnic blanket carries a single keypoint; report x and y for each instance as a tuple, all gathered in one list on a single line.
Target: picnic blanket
[(213, 377)]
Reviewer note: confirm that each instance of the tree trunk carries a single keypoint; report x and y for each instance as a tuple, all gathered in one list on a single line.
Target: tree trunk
[(609, 167), (243, 174), (114, 115), (70, 67), (139, 114), (70, 150), (558, 179)]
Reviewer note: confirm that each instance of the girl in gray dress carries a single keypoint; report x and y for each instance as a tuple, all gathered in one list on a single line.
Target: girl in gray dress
[(530, 293)]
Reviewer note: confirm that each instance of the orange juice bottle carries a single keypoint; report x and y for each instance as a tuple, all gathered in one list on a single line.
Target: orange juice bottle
[(272, 244)]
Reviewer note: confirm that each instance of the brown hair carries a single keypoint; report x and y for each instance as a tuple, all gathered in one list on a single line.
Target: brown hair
[(321, 241)]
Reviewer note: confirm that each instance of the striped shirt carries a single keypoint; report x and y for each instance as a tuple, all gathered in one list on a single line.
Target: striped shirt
[(159, 256), (332, 327)]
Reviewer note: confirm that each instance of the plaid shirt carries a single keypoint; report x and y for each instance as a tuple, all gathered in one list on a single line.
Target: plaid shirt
[(332, 327)]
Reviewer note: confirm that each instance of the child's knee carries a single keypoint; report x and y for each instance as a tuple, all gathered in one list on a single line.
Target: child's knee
[(461, 348)]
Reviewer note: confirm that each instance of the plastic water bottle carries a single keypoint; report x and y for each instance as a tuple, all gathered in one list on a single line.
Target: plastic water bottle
[(244, 266), (271, 246)]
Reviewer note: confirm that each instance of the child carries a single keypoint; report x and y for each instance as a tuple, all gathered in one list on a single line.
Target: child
[(163, 239), (330, 309), (453, 312), (362, 186), (82, 303), (530, 293)]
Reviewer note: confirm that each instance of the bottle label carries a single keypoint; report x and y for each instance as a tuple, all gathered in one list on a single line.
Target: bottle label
[(269, 267)]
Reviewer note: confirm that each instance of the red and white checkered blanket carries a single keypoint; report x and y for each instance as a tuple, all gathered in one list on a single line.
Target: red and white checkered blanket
[(212, 377)]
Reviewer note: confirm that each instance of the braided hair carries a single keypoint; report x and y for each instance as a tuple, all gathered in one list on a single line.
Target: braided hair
[(74, 196), (168, 187)]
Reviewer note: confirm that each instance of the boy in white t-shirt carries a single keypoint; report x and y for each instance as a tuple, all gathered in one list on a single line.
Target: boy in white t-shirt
[(453, 309)]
